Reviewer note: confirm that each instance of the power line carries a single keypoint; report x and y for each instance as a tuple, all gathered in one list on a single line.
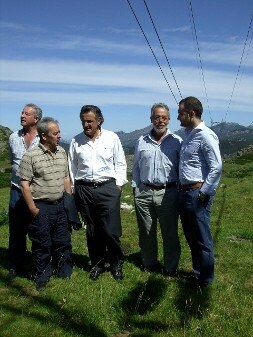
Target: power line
[(239, 67), (162, 47), (152, 50), (198, 49)]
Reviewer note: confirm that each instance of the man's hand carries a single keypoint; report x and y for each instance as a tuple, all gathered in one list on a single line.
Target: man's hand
[(203, 197), (34, 211)]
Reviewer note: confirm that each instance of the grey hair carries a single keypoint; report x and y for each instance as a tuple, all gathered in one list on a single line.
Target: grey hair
[(160, 105), (36, 110), (43, 127)]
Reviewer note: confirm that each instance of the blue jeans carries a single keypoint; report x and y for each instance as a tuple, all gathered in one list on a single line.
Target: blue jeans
[(195, 219)]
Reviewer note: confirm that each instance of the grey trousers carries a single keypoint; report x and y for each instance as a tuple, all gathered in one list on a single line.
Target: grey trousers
[(161, 206)]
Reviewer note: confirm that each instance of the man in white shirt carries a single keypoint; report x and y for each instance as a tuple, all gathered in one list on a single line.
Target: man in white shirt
[(20, 142), (199, 174), (155, 177), (97, 168)]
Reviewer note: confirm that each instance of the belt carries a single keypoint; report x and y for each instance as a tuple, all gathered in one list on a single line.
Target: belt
[(192, 186), (94, 183), (48, 202), (161, 187)]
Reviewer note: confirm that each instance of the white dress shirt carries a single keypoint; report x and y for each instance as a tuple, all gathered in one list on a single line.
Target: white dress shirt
[(97, 160), (17, 148), (200, 159)]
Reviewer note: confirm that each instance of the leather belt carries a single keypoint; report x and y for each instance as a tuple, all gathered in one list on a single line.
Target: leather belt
[(48, 202), (94, 183), (161, 187), (192, 186)]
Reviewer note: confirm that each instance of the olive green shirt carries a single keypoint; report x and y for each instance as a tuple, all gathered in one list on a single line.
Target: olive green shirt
[(45, 172)]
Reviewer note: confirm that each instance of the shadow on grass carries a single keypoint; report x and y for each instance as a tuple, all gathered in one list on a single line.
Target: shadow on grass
[(70, 321), (145, 296), (135, 259), (81, 261), (143, 299), (192, 302)]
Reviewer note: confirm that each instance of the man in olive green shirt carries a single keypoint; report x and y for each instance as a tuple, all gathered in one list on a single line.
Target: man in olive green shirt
[(44, 178)]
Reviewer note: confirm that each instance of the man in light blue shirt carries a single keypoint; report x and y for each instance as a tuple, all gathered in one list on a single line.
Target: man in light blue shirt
[(154, 181), (199, 174)]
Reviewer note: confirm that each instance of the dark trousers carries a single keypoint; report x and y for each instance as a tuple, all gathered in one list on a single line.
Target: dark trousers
[(19, 218), (51, 243), (100, 207), (195, 218)]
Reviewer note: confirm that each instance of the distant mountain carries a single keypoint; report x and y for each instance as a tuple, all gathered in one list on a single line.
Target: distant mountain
[(4, 136), (233, 137), (129, 139)]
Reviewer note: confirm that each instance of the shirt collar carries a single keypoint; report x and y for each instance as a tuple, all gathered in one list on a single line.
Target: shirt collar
[(198, 128), (44, 149), (151, 135)]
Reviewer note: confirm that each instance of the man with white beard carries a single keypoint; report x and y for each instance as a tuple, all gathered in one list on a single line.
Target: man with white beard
[(154, 182)]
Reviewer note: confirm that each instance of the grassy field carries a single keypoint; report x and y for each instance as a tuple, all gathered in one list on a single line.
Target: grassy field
[(144, 304)]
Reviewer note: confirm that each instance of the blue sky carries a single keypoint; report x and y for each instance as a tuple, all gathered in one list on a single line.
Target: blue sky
[(62, 54)]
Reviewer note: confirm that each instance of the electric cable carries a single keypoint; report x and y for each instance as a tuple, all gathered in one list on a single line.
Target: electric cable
[(199, 56), (162, 47), (152, 50), (239, 67)]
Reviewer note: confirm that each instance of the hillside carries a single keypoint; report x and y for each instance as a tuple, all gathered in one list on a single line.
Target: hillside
[(4, 136), (233, 137)]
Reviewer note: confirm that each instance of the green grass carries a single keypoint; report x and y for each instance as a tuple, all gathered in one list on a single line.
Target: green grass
[(144, 305)]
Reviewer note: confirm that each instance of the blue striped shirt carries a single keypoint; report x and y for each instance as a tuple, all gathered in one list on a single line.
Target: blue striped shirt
[(200, 159), (156, 163)]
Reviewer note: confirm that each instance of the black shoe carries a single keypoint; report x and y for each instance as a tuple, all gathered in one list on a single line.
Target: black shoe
[(117, 273), (40, 286), (95, 273), (11, 276)]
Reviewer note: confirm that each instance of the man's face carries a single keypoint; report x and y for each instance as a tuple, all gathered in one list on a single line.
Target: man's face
[(27, 117), (52, 138), (160, 120), (90, 123), (183, 116)]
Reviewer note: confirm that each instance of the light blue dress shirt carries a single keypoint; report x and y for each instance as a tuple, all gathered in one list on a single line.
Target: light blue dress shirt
[(156, 163), (200, 159)]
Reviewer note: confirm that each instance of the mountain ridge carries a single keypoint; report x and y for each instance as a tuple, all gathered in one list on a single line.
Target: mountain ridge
[(233, 138)]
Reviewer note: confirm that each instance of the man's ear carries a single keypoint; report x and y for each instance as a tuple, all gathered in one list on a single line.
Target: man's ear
[(100, 120), (191, 113)]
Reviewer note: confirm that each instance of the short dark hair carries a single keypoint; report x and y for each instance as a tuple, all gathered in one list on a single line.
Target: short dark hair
[(36, 110), (192, 103), (42, 126), (92, 108), (160, 105)]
